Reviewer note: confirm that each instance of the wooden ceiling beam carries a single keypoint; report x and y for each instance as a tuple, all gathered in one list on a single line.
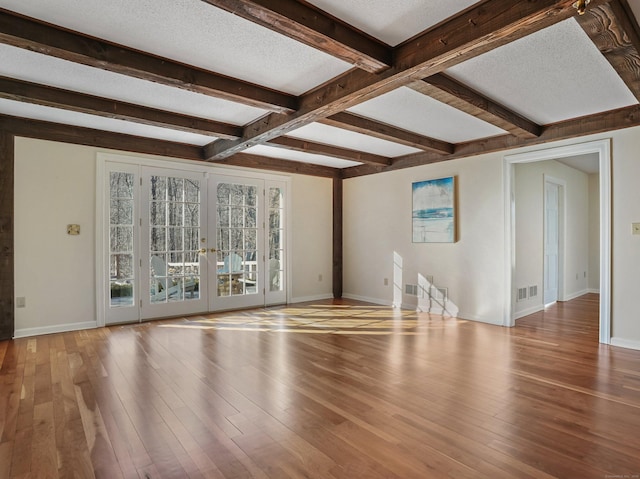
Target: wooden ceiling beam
[(305, 146), (44, 130), (57, 98), (486, 26), (588, 125), (366, 126), (283, 166), (77, 135), (311, 26), (30, 34), (453, 93), (614, 30)]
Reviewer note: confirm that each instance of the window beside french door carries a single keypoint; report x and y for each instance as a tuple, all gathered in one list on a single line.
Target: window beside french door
[(276, 235), (181, 243), (122, 274)]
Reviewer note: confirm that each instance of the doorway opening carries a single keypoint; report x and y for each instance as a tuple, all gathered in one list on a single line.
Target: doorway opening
[(602, 149)]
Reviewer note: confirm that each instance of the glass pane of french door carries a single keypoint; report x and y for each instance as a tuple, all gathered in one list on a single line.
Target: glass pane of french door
[(173, 243), (238, 227)]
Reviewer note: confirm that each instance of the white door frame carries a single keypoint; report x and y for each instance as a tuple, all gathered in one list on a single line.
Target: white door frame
[(603, 149)]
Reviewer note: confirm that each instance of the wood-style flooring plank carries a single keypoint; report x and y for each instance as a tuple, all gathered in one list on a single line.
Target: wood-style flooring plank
[(331, 390)]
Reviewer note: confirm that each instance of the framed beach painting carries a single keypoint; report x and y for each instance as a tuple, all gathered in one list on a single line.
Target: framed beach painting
[(433, 212)]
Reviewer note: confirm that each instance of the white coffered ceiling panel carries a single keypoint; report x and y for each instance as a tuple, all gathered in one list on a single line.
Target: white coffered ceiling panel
[(195, 33), (283, 154), (413, 111), (37, 68), (549, 76), (330, 135), (37, 112), (392, 21)]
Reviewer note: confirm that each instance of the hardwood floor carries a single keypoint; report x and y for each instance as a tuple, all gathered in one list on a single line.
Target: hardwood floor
[(329, 390)]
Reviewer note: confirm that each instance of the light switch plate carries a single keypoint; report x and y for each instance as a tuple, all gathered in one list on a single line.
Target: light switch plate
[(635, 228)]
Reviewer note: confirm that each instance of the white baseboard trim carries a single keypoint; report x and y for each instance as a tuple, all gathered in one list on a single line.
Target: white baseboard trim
[(625, 343), (306, 299), (593, 290), (441, 312), (58, 328), (367, 299), (471, 317), (528, 311), (575, 295)]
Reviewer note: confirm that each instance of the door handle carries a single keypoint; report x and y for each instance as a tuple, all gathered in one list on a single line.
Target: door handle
[(213, 250), (203, 251)]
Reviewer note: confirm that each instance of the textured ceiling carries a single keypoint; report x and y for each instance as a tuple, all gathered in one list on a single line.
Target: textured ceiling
[(419, 113), (348, 139), (38, 112), (553, 75), (589, 163), (549, 76), (46, 70), (194, 33), (324, 160), (392, 21)]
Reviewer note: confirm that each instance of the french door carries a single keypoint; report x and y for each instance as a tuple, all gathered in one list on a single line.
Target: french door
[(237, 233), (172, 243), (186, 242)]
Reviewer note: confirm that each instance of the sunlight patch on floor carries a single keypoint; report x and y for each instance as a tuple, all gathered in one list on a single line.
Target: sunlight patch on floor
[(321, 319)]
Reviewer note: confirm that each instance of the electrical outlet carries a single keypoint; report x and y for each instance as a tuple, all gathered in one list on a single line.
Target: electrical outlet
[(635, 228), (21, 302), (386, 281), (320, 278)]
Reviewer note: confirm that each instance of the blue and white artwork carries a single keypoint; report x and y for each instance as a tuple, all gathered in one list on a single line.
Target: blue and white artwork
[(433, 214)]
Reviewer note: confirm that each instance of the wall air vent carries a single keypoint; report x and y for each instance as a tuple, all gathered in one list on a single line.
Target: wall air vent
[(522, 294), (411, 289)]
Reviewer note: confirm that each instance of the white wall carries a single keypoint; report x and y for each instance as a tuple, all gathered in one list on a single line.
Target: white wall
[(529, 190), (626, 247), (377, 224), (313, 238), (55, 186), (55, 272)]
